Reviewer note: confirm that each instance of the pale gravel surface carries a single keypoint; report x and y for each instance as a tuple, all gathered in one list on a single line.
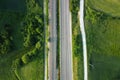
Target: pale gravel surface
[(82, 28)]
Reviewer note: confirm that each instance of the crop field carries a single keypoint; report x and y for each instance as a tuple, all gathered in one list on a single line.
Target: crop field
[(103, 35), (13, 5), (110, 7), (21, 37)]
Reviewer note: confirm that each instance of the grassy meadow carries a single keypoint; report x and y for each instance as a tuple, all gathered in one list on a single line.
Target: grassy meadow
[(110, 7), (103, 35)]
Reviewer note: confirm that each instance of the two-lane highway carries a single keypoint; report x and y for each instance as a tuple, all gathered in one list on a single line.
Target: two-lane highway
[(52, 72), (66, 72)]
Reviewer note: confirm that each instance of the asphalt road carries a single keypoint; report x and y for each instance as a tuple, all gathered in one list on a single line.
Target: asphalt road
[(52, 72), (83, 39), (66, 72)]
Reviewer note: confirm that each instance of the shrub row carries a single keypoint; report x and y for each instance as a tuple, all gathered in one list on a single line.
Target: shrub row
[(33, 24)]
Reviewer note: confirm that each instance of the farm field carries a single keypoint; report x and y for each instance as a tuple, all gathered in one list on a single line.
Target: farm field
[(21, 37), (103, 30)]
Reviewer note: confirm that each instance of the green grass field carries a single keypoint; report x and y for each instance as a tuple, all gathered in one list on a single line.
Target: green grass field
[(111, 7), (13, 22), (103, 35), (104, 67), (6, 61), (6, 72), (33, 70)]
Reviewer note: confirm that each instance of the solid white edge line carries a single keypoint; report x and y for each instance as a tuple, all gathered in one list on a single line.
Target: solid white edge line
[(71, 42)]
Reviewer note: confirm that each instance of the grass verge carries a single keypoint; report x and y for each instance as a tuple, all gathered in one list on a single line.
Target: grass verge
[(46, 29), (110, 7), (58, 40), (76, 41)]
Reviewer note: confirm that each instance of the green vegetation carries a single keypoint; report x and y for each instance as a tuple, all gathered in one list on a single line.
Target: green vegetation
[(111, 7), (5, 40), (46, 29), (74, 6), (103, 43), (33, 25), (10, 42), (76, 41), (10, 31), (21, 40), (58, 39), (25, 59), (13, 5), (33, 70)]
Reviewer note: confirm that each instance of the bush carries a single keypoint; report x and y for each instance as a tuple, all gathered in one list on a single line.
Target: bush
[(16, 64), (38, 45), (25, 58), (33, 29), (33, 53), (38, 30), (74, 6), (30, 56)]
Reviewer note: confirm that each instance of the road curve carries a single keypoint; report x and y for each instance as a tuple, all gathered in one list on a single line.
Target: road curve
[(66, 72), (52, 71), (83, 39)]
